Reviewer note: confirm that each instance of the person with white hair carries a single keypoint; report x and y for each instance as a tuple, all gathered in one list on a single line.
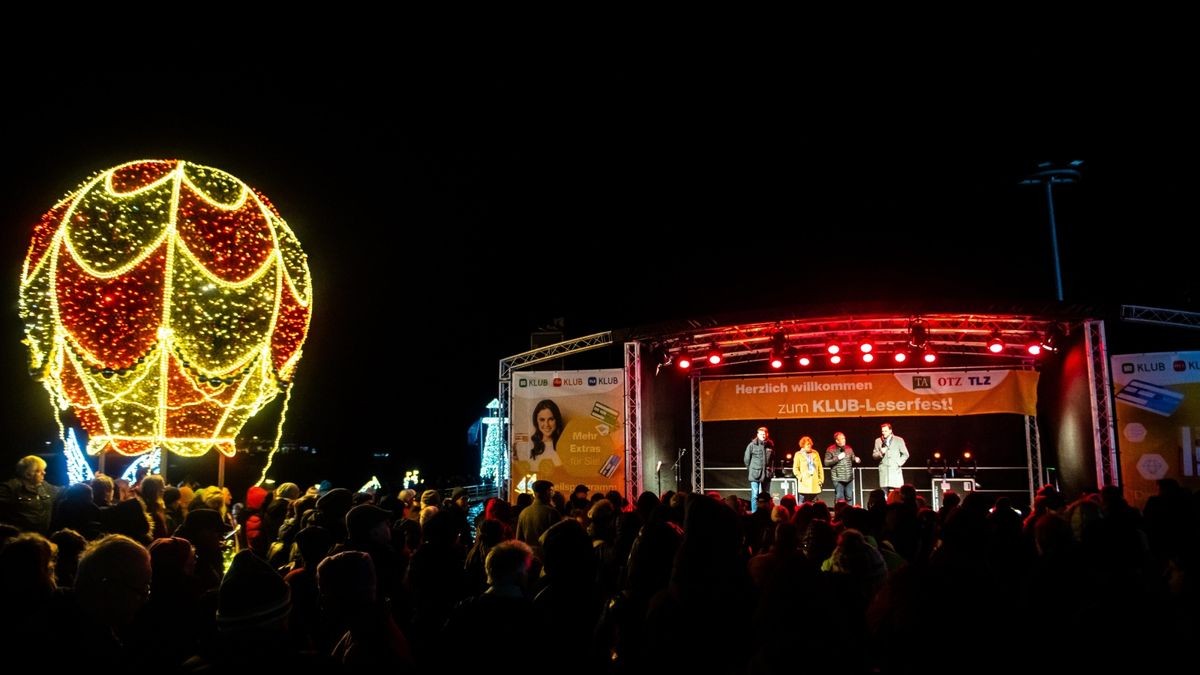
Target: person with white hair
[(27, 501)]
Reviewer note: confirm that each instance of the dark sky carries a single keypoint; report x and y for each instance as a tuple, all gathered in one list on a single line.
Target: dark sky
[(451, 204)]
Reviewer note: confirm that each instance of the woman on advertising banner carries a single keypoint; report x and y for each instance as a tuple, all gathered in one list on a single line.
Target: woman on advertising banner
[(548, 426), (574, 434)]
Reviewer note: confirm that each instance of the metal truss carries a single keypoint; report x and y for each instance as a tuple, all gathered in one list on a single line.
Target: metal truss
[(633, 419), (503, 481), (946, 333), (697, 437), (1107, 467), (1033, 453), (524, 360), (1166, 317), (554, 351)]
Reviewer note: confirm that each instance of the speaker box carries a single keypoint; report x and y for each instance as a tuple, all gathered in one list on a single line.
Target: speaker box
[(782, 486), (960, 485)]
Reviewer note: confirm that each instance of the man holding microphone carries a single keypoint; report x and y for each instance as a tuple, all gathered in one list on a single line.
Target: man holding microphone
[(841, 458), (892, 453)]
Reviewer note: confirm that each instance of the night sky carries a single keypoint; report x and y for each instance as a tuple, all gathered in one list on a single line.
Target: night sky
[(450, 208)]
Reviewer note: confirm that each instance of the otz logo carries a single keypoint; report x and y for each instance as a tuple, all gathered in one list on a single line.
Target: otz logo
[(922, 382), (1127, 368), (591, 381), (522, 382), (1179, 366)]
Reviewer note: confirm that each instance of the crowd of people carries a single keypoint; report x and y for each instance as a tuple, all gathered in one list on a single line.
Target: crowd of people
[(142, 575)]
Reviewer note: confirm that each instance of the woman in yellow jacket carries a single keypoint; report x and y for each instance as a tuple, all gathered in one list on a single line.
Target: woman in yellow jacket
[(808, 470)]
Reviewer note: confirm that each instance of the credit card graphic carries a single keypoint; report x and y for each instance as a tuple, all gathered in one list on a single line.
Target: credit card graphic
[(605, 413), (610, 466), (1156, 399)]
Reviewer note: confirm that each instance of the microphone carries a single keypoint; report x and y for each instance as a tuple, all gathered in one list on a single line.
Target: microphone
[(659, 467)]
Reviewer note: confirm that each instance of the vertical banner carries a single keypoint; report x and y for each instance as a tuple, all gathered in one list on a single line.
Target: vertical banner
[(1158, 420), (567, 427)]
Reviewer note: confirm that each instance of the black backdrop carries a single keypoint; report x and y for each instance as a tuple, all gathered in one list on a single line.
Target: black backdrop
[(995, 440)]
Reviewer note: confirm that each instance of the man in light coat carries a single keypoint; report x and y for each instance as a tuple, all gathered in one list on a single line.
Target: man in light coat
[(892, 453)]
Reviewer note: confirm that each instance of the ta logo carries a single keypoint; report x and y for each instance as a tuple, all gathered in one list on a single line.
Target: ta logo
[(1179, 366), (591, 381), (522, 382), (922, 382), (1127, 368)]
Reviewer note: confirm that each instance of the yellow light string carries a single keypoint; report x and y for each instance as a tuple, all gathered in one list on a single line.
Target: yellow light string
[(198, 241), (287, 398)]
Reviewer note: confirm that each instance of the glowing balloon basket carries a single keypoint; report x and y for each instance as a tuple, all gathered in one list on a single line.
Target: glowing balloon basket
[(166, 303)]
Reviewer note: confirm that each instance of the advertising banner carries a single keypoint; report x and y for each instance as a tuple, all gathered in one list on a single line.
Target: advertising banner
[(568, 428), (907, 394), (1158, 420)]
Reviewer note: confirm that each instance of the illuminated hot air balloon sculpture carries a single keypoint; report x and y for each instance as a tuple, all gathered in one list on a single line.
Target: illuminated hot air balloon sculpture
[(166, 303)]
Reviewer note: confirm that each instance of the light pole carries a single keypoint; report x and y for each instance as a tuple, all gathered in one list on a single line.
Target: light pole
[(1049, 174)]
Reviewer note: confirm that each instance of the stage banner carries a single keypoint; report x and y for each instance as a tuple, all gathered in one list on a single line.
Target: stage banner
[(568, 428), (1158, 420), (910, 394)]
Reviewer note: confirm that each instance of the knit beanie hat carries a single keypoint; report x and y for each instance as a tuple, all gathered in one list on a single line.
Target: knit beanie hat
[(252, 595)]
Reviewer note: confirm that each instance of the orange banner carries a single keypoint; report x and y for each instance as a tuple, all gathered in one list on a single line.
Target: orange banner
[(1158, 420), (912, 394)]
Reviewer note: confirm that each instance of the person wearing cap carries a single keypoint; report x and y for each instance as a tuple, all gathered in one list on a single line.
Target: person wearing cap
[(579, 498), (538, 516), (205, 529), (430, 504), (370, 531), (458, 507), (367, 524), (253, 606), (351, 599), (252, 595)]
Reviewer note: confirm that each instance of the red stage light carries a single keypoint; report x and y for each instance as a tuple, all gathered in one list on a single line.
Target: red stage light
[(835, 359), (937, 455), (805, 361), (900, 357), (929, 356), (714, 357), (868, 357), (1034, 348), (865, 346), (967, 454), (684, 361), (776, 362), (995, 345), (832, 347)]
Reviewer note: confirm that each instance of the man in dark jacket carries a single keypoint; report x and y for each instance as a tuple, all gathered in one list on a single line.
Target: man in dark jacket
[(841, 459), (27, 500), (759, 454)]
